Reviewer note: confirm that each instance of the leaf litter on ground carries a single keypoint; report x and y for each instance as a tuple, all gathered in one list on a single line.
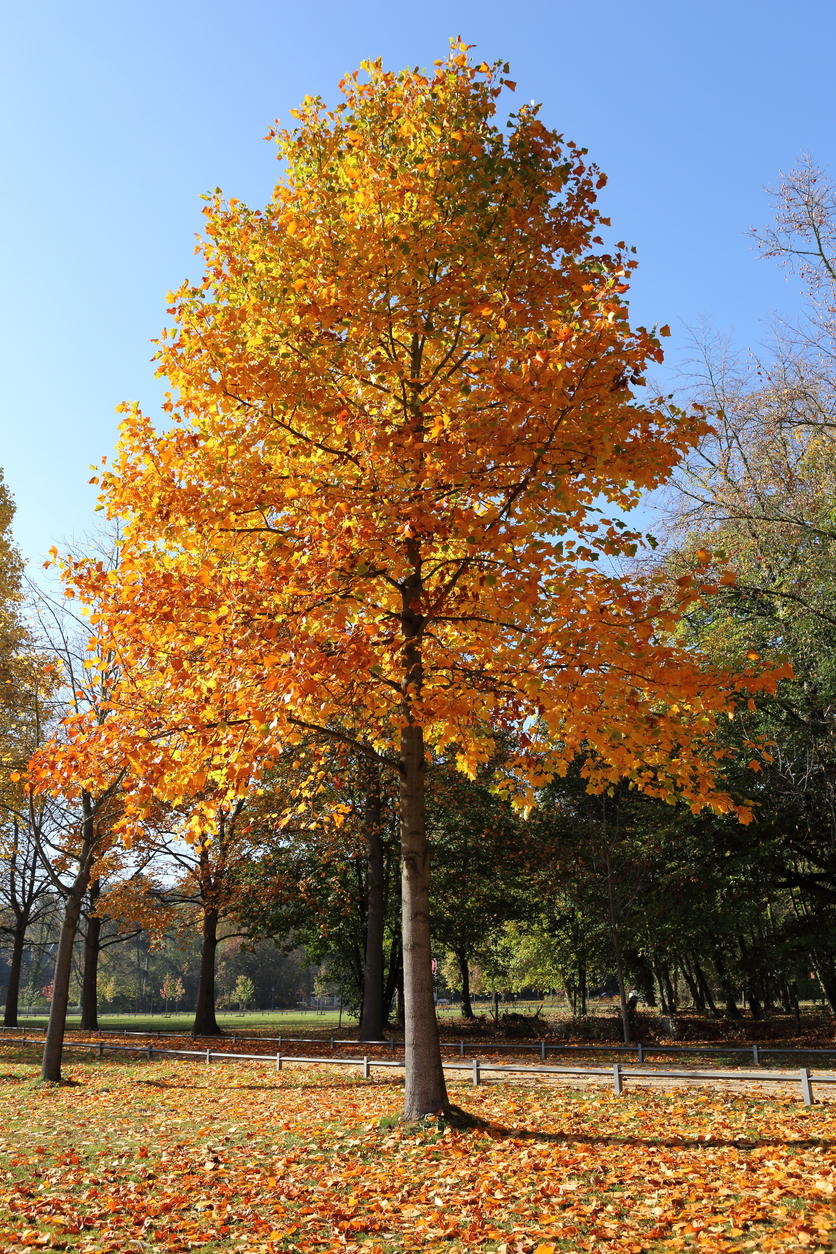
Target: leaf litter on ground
[(173, 1156)]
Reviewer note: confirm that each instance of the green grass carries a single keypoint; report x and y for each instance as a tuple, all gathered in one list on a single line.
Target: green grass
[(262, 1022)]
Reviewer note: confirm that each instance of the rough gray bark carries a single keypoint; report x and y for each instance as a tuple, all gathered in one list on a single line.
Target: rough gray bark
[(90, 982), (371, 1018)]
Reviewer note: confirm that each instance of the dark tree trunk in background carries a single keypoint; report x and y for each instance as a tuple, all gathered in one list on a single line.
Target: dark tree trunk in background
[(90, 983), (706, 989), (15, 964), (394, 977), (725, 983), (693, 988), (660, 984), (825, 969), (205, 1023), (464, 967), (642, 973), (371, 1017), (670, 991)]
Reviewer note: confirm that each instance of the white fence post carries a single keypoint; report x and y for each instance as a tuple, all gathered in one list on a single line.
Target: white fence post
[(365, 1066), (617, 1082), (806, 1087), (278, 1062), (477, 1079)]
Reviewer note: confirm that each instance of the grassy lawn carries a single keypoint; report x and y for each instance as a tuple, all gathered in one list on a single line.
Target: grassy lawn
[(177, 1156), (261, 1022)]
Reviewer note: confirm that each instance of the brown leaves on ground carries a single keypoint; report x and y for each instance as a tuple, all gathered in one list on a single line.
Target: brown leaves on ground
[(179, 1156)]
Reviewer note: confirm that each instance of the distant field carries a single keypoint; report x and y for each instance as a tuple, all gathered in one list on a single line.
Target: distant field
[(283, 1021)]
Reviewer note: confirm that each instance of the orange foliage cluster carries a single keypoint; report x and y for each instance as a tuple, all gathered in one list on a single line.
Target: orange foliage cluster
[(308, 1161), (398, 396)]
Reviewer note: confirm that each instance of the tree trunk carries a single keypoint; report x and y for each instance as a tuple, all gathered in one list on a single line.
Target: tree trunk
[(725, 983), (693, 988), (205, 1023), (90, 982), (706, 989), (425, 1089), (54, 1043), (13, 991), (825, 970), (670, 990), (660, 983), (371, 1017), (642, 972), (464, 967), (394, 976)]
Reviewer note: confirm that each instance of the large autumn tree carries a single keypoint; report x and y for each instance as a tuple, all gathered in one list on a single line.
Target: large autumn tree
[(398, 397)]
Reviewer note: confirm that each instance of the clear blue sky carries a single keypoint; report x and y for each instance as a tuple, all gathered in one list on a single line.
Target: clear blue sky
[(118, 115)]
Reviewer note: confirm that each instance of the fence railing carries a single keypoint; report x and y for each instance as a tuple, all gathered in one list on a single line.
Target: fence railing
[(755, 1051), (617, 1072)]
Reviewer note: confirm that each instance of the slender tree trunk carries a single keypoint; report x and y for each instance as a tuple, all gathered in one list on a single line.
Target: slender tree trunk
[(669, 990), (425, 1089), (16, 962), (693, 988), (90, 982), (706, 989), (825, 970), (371, 1018), (643, 974), (725, 983), (394, 976), (663, 1001), (54, 1043), (205, 1023), (464, 967)]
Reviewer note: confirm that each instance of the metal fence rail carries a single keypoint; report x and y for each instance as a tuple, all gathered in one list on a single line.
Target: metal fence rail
[(618, 1073), (544, 1048)]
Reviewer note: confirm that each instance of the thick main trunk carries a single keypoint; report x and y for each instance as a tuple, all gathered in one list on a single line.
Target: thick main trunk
[(13, 991), (205, 1023), (464, 968), (425, 1089), (90, 981), (54, 1043), (371, 1017)]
